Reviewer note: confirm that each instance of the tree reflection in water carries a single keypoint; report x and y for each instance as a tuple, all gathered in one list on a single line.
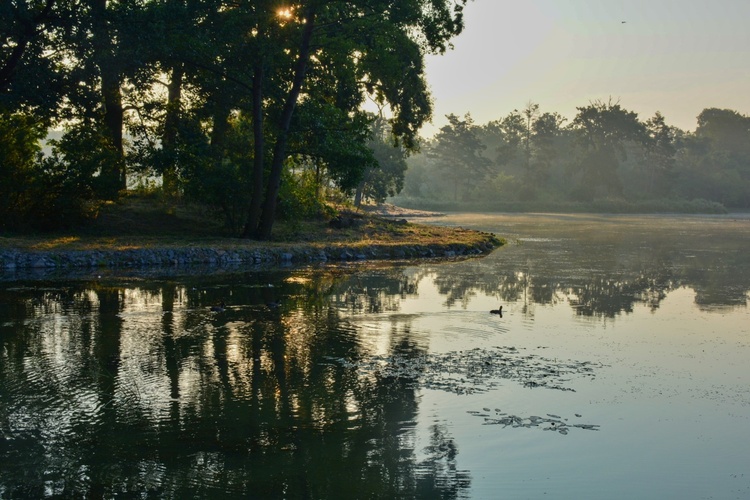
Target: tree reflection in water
[(135, 386), (138, 387)]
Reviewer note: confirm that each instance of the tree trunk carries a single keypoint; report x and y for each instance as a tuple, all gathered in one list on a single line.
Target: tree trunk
[(114, 173), (220, 120), (279, 152), (256, 198), (171, 122), (358, 194)]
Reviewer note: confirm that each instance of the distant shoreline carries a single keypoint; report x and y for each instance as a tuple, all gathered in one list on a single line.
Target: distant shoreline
[(389, 210)]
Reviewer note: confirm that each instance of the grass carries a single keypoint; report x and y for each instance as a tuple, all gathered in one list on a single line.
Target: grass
[(147, 222)]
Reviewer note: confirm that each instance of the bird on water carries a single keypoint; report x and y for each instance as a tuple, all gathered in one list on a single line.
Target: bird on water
[(220, 308), (497, 311)]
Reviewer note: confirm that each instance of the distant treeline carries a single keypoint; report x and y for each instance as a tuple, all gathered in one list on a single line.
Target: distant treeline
[(605, 159)]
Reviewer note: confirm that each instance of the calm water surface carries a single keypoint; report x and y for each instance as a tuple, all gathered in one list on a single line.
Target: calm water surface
[(620, 368)]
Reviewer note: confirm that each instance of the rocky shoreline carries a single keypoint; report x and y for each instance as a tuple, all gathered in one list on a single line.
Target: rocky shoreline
[(12, 260)]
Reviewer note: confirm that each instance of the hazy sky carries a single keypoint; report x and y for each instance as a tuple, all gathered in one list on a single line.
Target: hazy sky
[(674, 56)]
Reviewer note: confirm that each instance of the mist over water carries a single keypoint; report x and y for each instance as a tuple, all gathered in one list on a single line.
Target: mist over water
[(618, 369)]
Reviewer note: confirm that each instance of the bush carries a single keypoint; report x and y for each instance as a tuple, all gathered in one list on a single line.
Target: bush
[(222, 185), (46, 193), (19, 151), (299, 196)]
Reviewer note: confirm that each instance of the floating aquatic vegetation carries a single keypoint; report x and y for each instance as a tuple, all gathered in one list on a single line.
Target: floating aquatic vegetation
[(475, 370), (550, 422)]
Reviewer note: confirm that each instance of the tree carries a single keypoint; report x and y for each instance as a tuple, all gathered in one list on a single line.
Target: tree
[(510, 131), (457, 150), (715, 162), (546, 132), (603, 129), (530, 115), (19, 136), (383, 43), (186, 81), (660, 155), (386, 177), (33, 54), (726, 130), (107, 58)]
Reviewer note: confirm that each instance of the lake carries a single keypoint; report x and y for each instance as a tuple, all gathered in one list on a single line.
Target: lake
[(619, 368)]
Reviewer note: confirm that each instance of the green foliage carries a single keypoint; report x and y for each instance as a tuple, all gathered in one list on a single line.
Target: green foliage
[(193, 93), (160, 88), (387, 179), (457, 152), (605, 159), (603, 129), (222, 185), (84, 152), (19, 136), (335, 141), (385, 175), (300, 198), (45, 192), (715, 161)]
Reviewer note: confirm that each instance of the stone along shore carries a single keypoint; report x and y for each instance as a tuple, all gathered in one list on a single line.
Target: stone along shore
[(12, 259)]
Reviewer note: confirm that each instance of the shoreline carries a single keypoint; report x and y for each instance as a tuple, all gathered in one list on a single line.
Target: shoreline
[(377, 233), (13, 261), (390, 211)]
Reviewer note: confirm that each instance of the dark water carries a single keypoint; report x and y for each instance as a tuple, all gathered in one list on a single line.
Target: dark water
[(619, 368)]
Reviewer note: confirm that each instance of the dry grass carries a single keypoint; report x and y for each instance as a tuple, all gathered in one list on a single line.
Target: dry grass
[(151, 223)]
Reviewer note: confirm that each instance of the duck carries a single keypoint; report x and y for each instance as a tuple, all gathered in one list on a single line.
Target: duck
[(497, 311), (273, 304), (220, 308)]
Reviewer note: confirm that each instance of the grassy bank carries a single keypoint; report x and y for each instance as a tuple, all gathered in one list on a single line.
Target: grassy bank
[(142, 223)]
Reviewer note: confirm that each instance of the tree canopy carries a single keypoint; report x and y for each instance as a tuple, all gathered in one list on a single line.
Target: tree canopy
[(216, 97)]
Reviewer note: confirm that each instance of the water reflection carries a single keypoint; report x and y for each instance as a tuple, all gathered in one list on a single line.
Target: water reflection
[(111, 388), (605, 266)]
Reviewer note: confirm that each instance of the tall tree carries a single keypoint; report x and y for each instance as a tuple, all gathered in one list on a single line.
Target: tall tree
[(603, 130), (386, 178), (109, 63), (382, 43), (530, 115), (660, 155), (457, 151), (717, 164), (547, 130), (726, 130), (22, 25)]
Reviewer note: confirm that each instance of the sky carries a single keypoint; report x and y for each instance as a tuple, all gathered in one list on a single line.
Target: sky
[(673, 56)]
